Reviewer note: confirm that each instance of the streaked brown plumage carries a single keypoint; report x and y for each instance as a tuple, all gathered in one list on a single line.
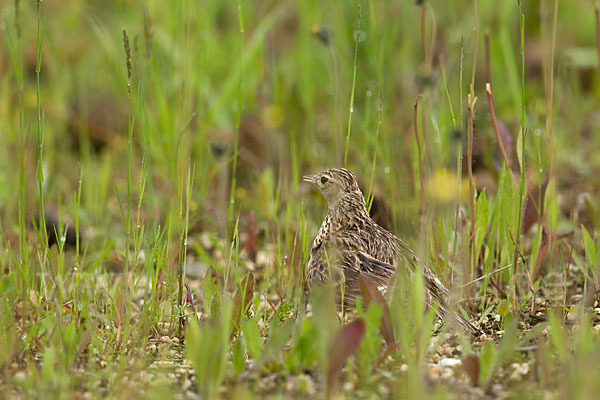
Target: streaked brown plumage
[(354, 244)]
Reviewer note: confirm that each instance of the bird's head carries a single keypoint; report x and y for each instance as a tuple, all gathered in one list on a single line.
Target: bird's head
[(335, 184)]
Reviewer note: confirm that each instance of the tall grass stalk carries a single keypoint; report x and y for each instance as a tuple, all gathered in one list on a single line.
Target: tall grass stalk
[(597, 15), (460, 80), (424, 34), (357, 39), (419, 155), (550, 106), (77, 266), (471, 112), (15, 50), (488, 91), (238, 115), (130, 125), (40, 122), (371, 195), (40, 134), (183, 240), (447, 91), (475, 45), (523, 139)]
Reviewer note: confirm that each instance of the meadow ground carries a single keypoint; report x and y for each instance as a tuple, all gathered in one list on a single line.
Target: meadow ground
[(155, 227)]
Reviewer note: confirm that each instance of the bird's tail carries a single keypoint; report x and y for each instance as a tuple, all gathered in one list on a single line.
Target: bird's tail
[(437, 292)]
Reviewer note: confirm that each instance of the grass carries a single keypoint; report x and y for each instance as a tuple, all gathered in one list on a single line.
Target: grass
[(154, 229)]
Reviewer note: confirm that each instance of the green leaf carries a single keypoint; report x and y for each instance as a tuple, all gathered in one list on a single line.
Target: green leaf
[(238, 357), (211, 290), (215, 305), (243, 298), (207, 347), (558, 338), (49, 365), (279, 335), (502, 308), (252, 338), (590, 249), (487, 359), (519, 148), (371, 343), (305, 345), (536, 248)]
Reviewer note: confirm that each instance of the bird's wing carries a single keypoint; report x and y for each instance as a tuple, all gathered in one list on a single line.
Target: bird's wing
[(355, 264), (381, 273)]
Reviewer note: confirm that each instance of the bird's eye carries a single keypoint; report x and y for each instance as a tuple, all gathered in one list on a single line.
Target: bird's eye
[(324, 180)]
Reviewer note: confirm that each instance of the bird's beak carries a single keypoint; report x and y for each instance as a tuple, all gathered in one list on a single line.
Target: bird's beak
[(309, 178)]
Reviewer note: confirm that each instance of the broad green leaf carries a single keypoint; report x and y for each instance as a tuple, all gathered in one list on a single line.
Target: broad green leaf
[(590, 249), (252, 338), (211, 290), (502, 308)]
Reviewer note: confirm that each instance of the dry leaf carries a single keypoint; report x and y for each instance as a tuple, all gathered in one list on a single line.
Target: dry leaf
[(345, 343), (243, 298), (472, 368), (370, 294), (534, 199)]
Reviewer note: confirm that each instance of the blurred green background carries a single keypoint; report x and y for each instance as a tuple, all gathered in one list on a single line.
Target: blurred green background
[(199, 159), (291, 68)]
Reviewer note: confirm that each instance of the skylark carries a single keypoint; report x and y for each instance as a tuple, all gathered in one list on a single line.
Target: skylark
[(349, 244)]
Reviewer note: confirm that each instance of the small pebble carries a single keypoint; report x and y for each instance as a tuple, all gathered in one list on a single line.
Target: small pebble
[(306, 385), (449, 362), (519, 371), (447, 373), (383, 390)]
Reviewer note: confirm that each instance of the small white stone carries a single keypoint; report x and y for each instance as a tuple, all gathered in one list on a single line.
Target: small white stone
[(191, 395), (497, 388), (383, 390), (447, 373), (519, 370), (262, 258), (306, 385), (205, 240), (449, 362)]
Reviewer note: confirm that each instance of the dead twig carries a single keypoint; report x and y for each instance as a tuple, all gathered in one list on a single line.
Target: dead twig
[(488, 91)]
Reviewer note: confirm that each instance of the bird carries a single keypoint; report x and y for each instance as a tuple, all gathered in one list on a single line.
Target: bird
[(355, 245)]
